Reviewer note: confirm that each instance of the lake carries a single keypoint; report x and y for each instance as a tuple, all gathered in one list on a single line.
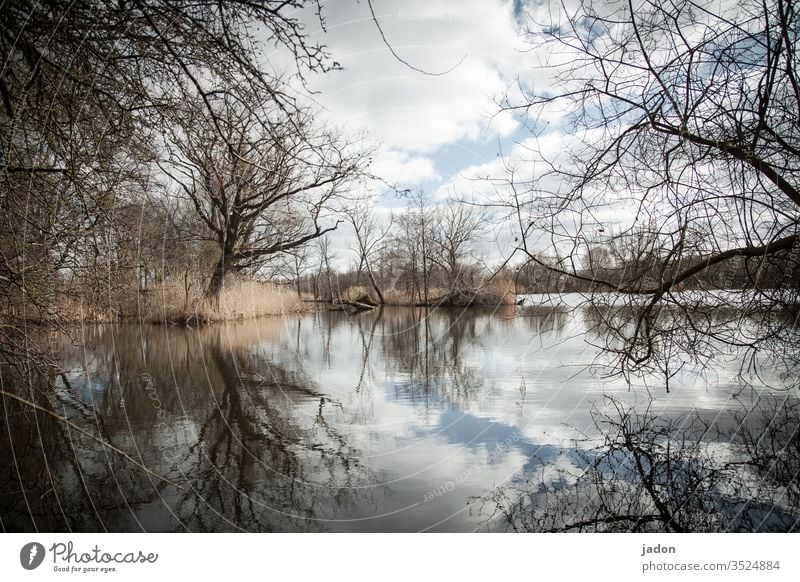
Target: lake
[(394, 420)]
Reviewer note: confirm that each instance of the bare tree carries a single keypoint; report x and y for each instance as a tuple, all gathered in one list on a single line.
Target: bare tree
[(299, 266), (685, 145), (457, 228), (261, 181), (369, 238), (113, 63), (401, 256), (410, 250), (85, 86), (420, 226), (326, 255)]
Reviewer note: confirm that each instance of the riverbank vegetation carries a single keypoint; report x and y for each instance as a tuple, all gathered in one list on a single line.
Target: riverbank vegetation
[(168, 162), (206, 165), (678, 169), (140, 184)]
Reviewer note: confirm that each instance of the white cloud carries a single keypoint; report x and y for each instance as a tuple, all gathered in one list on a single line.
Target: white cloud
[(407, 110), (401, 168), (426, 123), (504, 124), (486, 182)]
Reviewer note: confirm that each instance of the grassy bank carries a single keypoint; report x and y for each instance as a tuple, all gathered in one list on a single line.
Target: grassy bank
[(497, 292), (240, 299)]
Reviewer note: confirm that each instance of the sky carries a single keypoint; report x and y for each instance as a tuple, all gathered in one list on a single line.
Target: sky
[(445, 132), (433, 132), (429, 127)]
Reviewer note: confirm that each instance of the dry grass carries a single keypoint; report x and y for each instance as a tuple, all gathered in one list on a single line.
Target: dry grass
[(403, 297), (72, 310), (240, 299), (397, 297), (75, 308), (496, 292)]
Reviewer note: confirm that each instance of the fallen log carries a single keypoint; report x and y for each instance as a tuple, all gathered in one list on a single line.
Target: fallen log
[(358, 305)]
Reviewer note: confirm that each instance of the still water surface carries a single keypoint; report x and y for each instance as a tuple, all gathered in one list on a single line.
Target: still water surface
[(395, 420)]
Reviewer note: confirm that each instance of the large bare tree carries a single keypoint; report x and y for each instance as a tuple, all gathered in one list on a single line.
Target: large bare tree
[(457, 229), (262, 180), (84, 88), (678, 132)]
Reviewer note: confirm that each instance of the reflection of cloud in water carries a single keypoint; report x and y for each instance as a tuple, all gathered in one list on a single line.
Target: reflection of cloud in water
[(324, 416), (475, 432)]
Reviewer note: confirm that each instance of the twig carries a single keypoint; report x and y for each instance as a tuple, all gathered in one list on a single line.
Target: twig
[(91, 436), (401, 59)]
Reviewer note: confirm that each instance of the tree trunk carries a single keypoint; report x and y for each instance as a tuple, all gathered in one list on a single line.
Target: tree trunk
[(224, 266), (373, 282), (187, 287)]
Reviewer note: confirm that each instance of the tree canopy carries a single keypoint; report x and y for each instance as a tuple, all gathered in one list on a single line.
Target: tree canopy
[(684, 119)]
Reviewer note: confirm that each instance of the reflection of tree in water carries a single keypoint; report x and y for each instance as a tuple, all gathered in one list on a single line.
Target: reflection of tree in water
[(652, 473), (259, 462), (254, 439), (770, 440), (425, 347), (545, 319), (427, 351), (659, 341), (56, 478)]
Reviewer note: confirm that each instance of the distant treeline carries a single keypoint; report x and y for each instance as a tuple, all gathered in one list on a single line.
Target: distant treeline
[(603, 269)]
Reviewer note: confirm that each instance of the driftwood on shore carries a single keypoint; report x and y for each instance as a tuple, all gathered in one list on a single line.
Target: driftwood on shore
[(468, 299), (350, 306), (360, 303)]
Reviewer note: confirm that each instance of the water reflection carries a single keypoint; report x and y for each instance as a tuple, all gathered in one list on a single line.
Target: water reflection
[(394, 420), (655, 473)]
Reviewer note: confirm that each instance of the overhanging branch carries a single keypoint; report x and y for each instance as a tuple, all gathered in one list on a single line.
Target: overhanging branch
[(782, 244)]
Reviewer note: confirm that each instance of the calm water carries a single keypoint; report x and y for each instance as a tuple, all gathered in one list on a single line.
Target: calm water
[(394, 420)]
